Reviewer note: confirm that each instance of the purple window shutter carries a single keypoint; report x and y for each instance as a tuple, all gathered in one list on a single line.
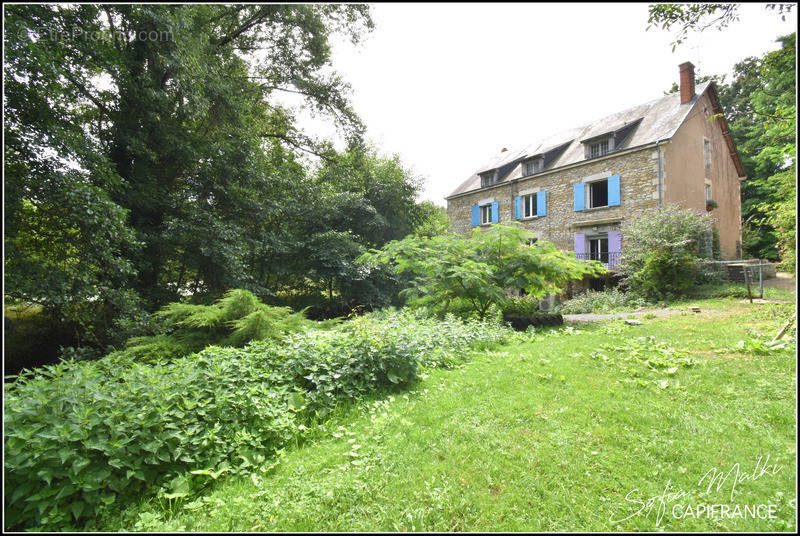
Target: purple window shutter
[(580, 244), (614, 242), (614, 248)]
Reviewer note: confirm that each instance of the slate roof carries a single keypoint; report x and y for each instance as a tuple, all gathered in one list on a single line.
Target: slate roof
[(658, 120)]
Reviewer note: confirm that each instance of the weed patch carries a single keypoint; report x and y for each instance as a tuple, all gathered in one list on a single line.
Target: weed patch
[(646, 361)]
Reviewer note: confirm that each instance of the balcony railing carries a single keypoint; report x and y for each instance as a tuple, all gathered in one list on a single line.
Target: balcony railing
[(610, 259)]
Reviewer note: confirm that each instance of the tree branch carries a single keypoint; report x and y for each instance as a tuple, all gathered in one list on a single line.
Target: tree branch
[(86, 93), (255, 19)]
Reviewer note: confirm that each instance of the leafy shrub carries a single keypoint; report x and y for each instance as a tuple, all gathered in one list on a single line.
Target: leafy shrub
[(236, 319), (94, 430), (78, 353), (81, 436), (663, 249), (605, 301), (757, 344), (524, 306), (478, 270), (719, 290)]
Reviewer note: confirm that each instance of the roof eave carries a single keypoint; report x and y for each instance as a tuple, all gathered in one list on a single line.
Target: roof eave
[(726, 131), (562, 168)]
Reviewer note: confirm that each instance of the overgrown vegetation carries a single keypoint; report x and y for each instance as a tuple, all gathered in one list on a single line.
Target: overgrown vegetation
[(493, 445), (138, 172), (602, 301), (479, 270), (81, 437), (234, 320), (522, 306), (664, 247)]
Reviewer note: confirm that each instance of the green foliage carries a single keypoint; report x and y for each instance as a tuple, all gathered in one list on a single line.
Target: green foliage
[(431, 220), (605, 301), (147, 150), (761, 344), (716, 248), (525, 306), (479, 269), (759, 105), (695, 17), (83, 436), (647, 361), (438, 443), (776, 102), (665, 246), (234, 320)]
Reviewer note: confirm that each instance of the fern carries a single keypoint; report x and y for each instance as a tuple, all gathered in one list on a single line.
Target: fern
[(234, 320)]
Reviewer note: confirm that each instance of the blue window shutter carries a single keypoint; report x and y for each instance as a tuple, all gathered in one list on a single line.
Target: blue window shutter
[(613, 191), (495, 212), (579, 192), (476, 215), (517, 208), (541, 203)]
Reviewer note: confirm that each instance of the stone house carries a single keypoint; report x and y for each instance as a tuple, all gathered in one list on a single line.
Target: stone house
[(576, 187)]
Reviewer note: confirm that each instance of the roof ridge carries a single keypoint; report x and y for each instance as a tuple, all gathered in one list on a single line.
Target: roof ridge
[(699, 91), (659, 119)]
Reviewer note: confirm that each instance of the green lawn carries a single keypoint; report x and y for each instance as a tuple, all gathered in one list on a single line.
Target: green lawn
[(545, 435)]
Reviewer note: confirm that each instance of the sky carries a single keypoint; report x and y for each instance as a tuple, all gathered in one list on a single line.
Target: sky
[(448, 86)]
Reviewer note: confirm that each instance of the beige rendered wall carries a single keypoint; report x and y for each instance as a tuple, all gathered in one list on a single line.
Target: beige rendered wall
[(685, 174)]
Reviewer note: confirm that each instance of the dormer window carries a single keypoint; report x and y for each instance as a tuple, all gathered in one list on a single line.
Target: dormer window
[(488, 178), (533, 166), (599, 148)]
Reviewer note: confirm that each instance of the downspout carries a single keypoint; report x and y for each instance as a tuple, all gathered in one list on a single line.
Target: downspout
[(660, 174), (511, 193)]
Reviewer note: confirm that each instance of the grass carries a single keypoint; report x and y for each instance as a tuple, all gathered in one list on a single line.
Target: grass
[(550, 434), (615, 301)]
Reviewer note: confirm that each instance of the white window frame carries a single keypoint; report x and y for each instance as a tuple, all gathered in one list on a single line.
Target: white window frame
[(488, 178), (529, 206), (590, 198), (486, 214), (534, 166), (599, 148), (709, 196), (707, 153), (599, 239)]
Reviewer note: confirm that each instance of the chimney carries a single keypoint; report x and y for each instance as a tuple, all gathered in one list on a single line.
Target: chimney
[(687, 81)]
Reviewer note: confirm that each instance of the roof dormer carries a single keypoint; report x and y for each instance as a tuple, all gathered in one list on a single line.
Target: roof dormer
[(533, 165), (543, 159), (489, 178), (608, 142)]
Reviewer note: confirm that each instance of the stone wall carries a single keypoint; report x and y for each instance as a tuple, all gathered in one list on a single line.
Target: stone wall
[(638, 171)]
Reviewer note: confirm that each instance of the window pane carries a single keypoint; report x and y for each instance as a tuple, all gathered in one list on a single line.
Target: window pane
[(598, 194)]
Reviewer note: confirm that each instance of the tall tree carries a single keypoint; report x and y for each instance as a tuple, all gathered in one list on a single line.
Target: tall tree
[(760, 107), (144, 141)]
